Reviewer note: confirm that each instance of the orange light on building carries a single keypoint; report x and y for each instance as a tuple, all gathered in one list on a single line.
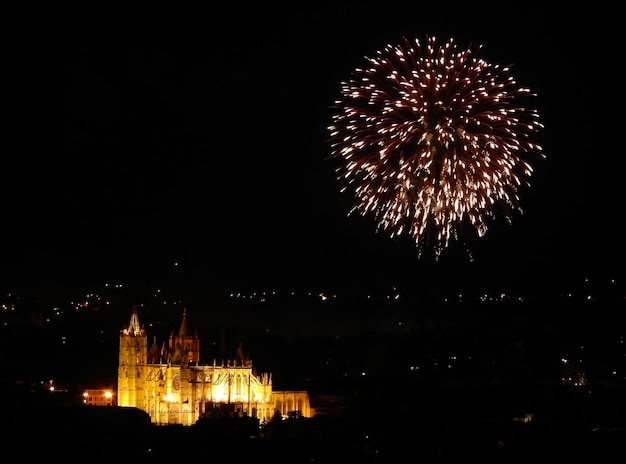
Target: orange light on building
[(98, 397)]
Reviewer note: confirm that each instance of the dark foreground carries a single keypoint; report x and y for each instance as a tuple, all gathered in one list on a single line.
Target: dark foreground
[(439, 426)]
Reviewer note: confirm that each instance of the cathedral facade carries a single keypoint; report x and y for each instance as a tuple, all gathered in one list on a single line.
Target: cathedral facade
[(169, 383)]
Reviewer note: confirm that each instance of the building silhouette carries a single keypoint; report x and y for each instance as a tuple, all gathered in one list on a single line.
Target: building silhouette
[(168, 382)]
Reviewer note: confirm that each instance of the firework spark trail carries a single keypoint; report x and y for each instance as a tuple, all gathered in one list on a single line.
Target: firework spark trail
[(432, 138)]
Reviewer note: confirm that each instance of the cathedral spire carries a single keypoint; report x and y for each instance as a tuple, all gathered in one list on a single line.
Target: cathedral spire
[(133, 328), (182, 332)]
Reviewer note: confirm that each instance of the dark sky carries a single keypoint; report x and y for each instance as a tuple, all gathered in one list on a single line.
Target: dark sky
[(199, 138)]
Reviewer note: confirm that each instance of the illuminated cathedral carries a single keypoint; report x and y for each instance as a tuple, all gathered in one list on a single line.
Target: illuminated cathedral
[(168, 382)]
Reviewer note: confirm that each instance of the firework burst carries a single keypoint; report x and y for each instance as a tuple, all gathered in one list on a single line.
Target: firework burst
[(433, 139)]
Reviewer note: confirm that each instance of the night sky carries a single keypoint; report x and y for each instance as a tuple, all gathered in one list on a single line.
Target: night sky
[(196, 142)]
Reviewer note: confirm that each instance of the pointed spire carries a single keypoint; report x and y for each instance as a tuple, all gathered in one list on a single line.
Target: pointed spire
[(240, 354), (153, 354), (134, 328), (183, 325), (163, 352)]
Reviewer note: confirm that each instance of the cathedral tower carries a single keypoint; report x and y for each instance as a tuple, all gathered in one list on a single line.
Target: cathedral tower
[(133, 355), (185, 348)]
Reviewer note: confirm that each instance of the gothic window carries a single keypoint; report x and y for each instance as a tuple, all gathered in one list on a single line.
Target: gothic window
[(238, 385)]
